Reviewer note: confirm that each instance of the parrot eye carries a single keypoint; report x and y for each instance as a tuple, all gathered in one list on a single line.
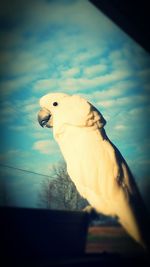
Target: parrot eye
[(55, 104)]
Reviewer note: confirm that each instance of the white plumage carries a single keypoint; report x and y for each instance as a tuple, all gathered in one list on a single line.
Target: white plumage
[(95, 165)]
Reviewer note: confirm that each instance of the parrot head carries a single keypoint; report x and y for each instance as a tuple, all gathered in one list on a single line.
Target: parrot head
[(49, 103), (59, 109)]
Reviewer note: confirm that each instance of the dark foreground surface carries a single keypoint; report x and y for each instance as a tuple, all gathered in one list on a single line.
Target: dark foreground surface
[(88, 260), (95, 260), (43, 238)]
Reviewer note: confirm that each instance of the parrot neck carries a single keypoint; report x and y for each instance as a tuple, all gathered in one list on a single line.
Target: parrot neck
[(69, 133)]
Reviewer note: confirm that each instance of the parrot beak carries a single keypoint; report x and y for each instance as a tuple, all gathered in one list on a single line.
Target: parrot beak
[(44, 117)]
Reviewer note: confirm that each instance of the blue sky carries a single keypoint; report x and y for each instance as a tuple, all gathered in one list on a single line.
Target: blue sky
[(71, 47)]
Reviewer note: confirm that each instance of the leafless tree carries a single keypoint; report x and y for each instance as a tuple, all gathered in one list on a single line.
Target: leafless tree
[(59, 192)]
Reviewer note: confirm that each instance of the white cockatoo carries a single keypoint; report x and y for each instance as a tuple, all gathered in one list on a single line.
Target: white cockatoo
[(94, 164)]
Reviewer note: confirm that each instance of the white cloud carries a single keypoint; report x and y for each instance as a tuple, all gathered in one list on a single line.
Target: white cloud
[(83, 57), (107, 96), (31, 107), (25, 63), (122, 59), (10, 86), (46, 85), (26, 108), (72, 12), (106, 103), (7, 109), (119, 60), (70, 72), (120, 127), (8, 112), (124, 101), (48, 53), (13, 155), (116, 55), (95, 69), (44, 61), (141, 112), (80, 83), (18, 128), (41, 134), (45, 147), (58, 14)]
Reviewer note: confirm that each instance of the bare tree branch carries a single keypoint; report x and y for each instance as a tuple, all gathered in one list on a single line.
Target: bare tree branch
[(59, 191)]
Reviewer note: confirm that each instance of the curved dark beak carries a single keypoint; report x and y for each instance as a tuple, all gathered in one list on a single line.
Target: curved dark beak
[(43, 117)]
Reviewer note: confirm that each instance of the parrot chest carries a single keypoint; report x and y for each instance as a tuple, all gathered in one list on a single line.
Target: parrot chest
[(90, 160)]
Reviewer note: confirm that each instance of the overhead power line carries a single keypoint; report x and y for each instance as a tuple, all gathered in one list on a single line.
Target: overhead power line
[(23, 170)]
